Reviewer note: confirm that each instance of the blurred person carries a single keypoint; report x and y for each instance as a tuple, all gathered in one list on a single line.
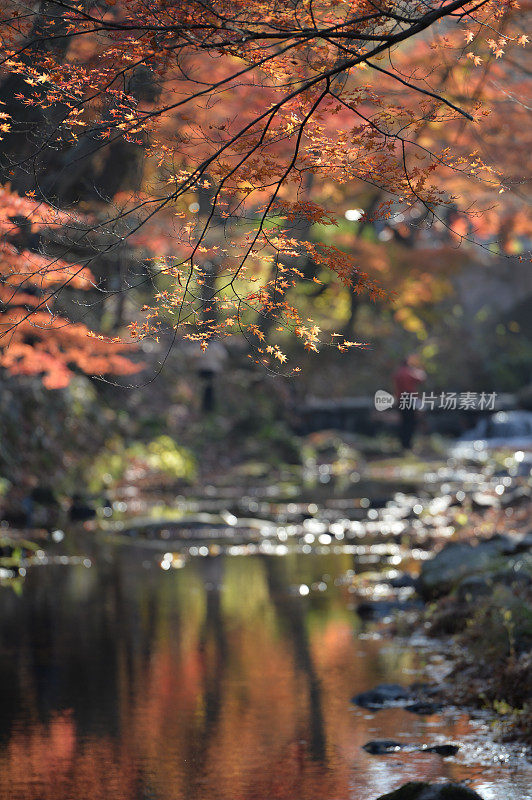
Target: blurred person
[(407, 379)]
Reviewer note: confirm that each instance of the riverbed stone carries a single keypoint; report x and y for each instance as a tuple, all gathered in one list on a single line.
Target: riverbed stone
[(443, 750), (514, 572), (521, 543), (381, 747), (384, 696), (458, 559), (379, 609), (423, 708), (418, 790), (403, 581)]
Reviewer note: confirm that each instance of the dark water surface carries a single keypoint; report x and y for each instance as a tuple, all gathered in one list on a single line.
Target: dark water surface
[(217, 681)]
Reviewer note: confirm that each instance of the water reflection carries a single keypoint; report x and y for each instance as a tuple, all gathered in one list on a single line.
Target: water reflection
[(216, 681)]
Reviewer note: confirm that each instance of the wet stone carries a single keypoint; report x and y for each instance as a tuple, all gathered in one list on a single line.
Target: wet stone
[(520, 544), (443, 750), (81, 510), (516, 574), (424, 709), (384, 696), (381, 747), (414, 698), (403, 581), (436, 791), (456, 561), (377, 609)]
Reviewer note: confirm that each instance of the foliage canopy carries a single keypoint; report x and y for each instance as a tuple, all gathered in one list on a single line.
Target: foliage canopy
[(199, 143)]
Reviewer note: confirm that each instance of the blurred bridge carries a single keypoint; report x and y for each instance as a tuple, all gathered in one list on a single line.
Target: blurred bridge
[(359, 415)]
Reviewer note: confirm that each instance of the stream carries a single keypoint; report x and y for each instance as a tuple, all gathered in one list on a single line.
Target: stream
[(223, 668)]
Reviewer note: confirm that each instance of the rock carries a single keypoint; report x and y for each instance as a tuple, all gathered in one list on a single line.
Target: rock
[(431, 791), (520, 544), (515, 572), (443, 750), (377, 609), (424, 709), (42, 507), (458, 559), (412, 698), (403, 581), (80, 510), (380, 747), (386, 695)]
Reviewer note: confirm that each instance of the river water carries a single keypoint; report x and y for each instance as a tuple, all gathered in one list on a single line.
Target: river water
[(227, 679)]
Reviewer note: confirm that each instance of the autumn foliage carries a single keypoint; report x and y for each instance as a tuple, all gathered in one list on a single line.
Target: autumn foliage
[(229, 119), (39, 341)]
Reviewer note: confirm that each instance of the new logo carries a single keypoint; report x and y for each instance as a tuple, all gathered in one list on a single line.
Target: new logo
[(383, 400)]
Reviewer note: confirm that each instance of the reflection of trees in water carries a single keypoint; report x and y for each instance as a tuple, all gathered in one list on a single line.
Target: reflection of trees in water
[(211, 682), (292, 618), (88, 640), (213, 638), (212, 651), (79, 639), (65, 650)]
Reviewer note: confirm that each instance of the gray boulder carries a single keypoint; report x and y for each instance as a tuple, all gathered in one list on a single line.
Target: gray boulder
[(520, 544), (514, 572), (418, 790), (458, 559), (387, 695), (424, 708)]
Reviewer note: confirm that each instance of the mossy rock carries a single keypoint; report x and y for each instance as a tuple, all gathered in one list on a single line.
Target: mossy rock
[(419, 790), (458, 560)]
